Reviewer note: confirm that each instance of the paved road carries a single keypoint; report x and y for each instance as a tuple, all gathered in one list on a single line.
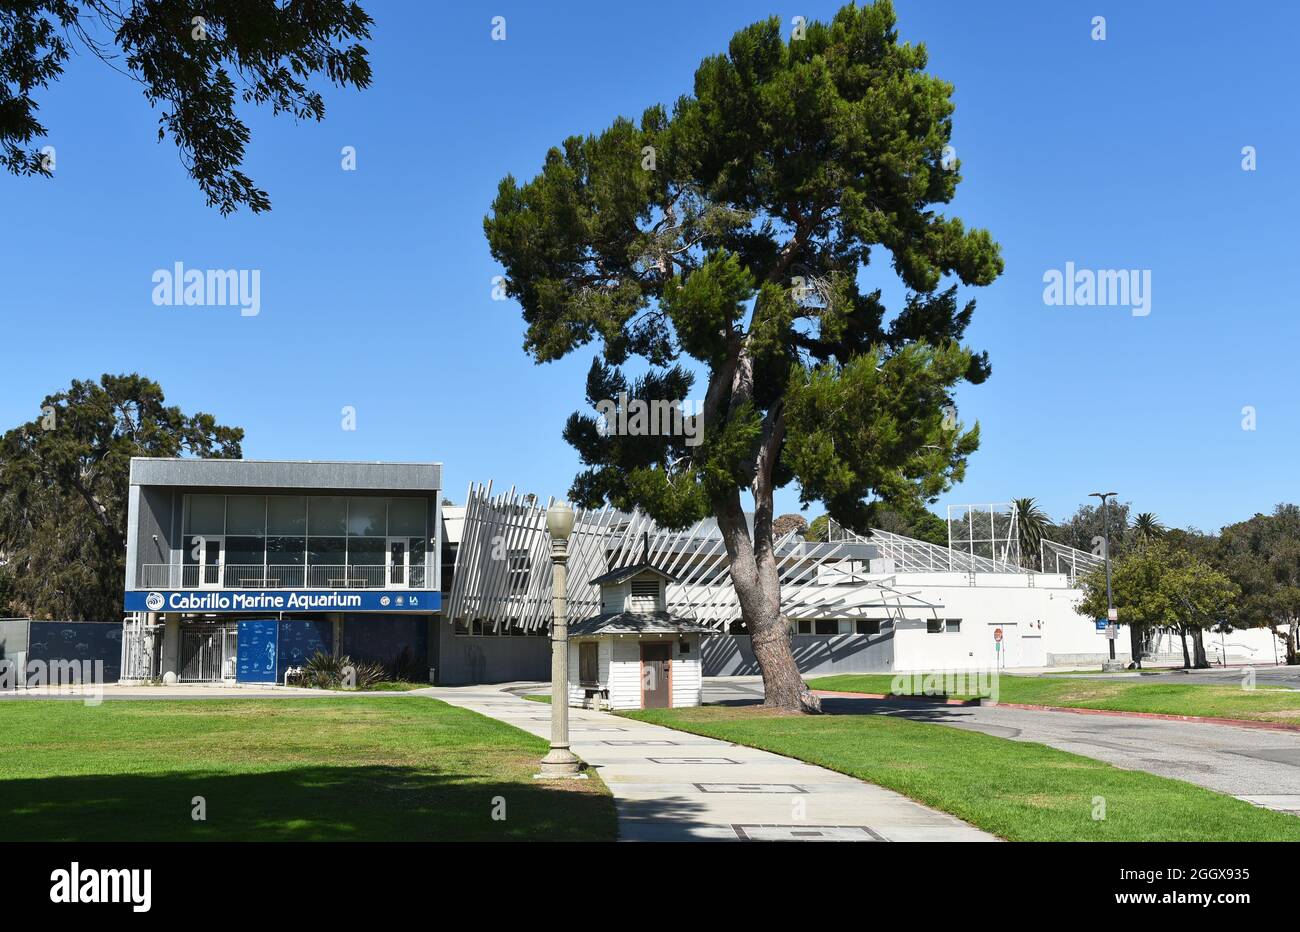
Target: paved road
[(1222, 676), (1257, 765), (673, 786)]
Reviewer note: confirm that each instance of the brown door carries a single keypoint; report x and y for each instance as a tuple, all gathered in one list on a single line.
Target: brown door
[(656, 676)]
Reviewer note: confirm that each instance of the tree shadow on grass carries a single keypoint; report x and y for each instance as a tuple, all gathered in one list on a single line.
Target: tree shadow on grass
[(364, 803)]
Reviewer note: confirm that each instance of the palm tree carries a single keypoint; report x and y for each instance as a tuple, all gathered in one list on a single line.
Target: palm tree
[(1031, 527), (1146, 528)]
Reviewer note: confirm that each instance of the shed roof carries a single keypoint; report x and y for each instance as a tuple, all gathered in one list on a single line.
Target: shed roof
[(613, 577), (639, 623)]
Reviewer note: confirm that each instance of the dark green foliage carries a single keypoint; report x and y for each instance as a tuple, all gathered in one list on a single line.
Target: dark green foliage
[(63, 491), (257, 52), (772, 188)]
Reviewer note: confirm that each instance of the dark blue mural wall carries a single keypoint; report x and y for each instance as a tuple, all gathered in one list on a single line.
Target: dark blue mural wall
[(53, 641), (388, 640), (256, 656), (299, 640)]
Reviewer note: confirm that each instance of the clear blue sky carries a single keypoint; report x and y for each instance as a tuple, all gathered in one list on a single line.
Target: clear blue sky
[(376, 283)]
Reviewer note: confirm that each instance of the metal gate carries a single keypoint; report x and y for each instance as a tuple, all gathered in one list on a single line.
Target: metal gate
[(204, 651), (141, 657)]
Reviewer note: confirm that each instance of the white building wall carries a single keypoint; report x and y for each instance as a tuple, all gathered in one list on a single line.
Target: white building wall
[(687, 680), (625, 673)]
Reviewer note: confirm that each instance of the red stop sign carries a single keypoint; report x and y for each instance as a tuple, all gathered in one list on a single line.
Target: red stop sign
[(997, 635)]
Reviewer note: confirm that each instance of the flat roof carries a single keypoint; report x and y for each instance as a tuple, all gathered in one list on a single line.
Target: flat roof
[(192, 472)]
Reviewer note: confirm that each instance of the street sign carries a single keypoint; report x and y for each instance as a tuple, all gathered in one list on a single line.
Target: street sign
[(997, 635), (1113, 614), (1101, 624), (1112, 631)]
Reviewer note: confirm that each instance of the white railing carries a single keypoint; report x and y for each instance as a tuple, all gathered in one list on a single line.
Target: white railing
[(288, 576)]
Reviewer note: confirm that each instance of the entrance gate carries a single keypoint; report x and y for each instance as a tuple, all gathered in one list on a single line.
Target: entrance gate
[(207, 653)]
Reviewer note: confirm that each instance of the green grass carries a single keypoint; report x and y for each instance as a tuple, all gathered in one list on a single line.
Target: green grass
[(1124, 695), (330, 769), (1017, 790)]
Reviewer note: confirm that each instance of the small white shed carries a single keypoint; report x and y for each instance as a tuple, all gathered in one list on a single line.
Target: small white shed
[(635, 654)]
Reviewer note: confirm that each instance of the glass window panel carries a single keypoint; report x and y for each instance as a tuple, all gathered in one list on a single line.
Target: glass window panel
[(367, 517), (327, 514), (366, 551), (805, 627), (206, 514), (246, 514), (245, 551), (826, 626), (406, 516), (286, 551), (286, 514), (868, 626), (326, 551), (193, 553)]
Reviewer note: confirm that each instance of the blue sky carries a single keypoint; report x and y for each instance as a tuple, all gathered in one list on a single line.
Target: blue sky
[(376, 284)]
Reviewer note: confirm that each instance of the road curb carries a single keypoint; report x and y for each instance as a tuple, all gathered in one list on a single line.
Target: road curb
[(1162, 716), (921, 700)]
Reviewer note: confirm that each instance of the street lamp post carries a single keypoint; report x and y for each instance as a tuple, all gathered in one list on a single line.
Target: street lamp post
[(559, 761), (1110, 600)]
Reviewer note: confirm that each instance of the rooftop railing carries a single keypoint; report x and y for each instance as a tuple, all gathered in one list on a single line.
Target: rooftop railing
[(273, 576)]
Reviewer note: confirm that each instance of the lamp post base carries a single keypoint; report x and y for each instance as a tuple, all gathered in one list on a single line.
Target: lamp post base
[(1112, 666), (560, 764)]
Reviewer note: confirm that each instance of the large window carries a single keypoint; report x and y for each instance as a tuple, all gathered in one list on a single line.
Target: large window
[(301, 540)]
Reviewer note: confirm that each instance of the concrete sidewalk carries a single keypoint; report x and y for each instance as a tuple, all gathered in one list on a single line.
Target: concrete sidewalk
[(672, 786)]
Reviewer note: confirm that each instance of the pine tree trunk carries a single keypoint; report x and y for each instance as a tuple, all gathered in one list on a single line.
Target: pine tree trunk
[(783, 685), (758, 589), (1292, 655), (1187, 660)]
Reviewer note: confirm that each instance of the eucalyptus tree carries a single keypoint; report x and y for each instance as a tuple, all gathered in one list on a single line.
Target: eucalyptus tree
[(728, 240), (63, 491)]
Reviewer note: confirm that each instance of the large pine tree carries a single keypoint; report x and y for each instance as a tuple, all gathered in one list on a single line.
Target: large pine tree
[(730, 241)]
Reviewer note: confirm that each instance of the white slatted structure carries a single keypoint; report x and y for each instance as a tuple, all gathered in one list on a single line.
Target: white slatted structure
[(817, 579)]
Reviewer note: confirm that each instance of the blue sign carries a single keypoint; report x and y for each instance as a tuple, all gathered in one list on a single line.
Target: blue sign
[(282, 600), (255, 657), (1101, 624)]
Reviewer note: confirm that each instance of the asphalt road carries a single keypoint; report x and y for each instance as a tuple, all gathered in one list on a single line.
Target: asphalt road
[(1225, 676), (1257, 765)]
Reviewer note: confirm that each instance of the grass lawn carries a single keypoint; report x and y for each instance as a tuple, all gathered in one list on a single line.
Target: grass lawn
[(1018, 790), (329, 769), (1125, 695)]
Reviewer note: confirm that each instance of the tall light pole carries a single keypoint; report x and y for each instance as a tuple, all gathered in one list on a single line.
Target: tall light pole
[(1110, 600), (559, 761)]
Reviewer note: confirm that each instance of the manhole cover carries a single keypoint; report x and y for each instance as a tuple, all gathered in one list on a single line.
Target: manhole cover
[(775, 832)]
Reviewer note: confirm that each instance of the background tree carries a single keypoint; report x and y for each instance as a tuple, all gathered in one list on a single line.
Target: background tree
[(1083, 529), (819, 530), (1032, 524), (784, 524), (732, 235), (63, 491), (1146, 528), (1162, 587), (195, 60), (1262, 556)]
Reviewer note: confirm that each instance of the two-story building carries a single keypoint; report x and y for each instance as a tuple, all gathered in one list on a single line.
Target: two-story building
[(238, 570)]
